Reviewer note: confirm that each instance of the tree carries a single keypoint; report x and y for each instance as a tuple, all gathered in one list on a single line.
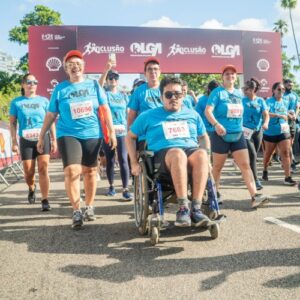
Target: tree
[(42, 15), (291, 4), (281, 27)]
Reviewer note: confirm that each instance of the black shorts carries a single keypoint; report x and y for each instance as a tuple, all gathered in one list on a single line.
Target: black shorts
[(160, 162), (218, 145), (276, 138), (29, 151), (78, 151)]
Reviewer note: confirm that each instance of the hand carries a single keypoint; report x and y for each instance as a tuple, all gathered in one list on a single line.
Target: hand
[(265, 126), (15, 147), (112, 141), (53, 146), (40, 146), (220, 130), (284, 117), (110, 63), (135, 168)]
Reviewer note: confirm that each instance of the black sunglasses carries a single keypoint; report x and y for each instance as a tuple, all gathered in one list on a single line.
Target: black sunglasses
[(112, 77), (30, 82), (169, 95)]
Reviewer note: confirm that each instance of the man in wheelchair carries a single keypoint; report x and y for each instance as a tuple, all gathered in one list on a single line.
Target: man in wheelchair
[(178, 138)]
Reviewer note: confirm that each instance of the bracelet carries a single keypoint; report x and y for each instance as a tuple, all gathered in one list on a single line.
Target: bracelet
[(214, 125)]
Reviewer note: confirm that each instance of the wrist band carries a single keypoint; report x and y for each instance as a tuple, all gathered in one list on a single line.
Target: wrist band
[(215, 124)]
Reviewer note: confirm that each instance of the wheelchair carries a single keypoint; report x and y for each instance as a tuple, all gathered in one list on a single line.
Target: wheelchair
[(153, 190)]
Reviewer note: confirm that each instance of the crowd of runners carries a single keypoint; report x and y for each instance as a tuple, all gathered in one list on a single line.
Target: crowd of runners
[(86, 117)]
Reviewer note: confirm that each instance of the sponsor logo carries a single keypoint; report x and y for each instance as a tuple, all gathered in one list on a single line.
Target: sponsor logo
[(264, 85), (53, 64), (53, 83), (228, 51), (52, 37), (261, 41), (263, 65), (145, 49), (177, 49), (100, 49)]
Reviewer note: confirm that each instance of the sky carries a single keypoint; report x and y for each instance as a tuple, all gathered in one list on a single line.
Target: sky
[(258, 15)]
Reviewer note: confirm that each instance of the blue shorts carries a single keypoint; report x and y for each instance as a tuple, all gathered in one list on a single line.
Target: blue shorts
[(218, 145)]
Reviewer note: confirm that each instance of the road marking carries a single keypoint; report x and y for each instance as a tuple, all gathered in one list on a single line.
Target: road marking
[(283, 224)]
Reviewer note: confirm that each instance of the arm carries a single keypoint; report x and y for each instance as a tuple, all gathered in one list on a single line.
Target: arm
[(110, 126), (48, 121), (104, 75), (53, 138), (131, 116), (191, 93), (13, 132), (272, 115), (266, 120), (220, 130), (131, 148), (204, 142)]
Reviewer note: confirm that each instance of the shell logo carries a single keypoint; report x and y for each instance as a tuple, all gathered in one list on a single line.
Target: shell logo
[(53, 64)]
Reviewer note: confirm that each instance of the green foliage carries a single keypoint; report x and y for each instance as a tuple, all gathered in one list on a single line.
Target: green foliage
[(288, 4), (42, 15), (5, 99), (281, 26), (198, 82)]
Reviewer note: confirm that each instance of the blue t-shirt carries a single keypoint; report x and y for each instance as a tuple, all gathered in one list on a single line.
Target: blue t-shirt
[(292, 100), (188, 102), (30, 112), (118, 106), (77, 105), (253, 112), (164, 129), (228, 108), (277, 125), (200, 109), (144, 98)]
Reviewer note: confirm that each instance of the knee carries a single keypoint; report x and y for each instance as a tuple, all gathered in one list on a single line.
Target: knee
[(285, 153), (89, 171), (72, 172), (43, 169), (176, 155)]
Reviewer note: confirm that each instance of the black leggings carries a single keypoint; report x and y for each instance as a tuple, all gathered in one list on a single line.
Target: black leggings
[(122, 158), (253, 146)]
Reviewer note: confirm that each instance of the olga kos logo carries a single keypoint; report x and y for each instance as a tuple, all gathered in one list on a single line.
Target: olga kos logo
[(229, 51), (145, 49)]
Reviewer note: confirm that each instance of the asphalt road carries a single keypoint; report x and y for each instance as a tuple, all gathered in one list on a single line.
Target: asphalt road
[(253, 258)]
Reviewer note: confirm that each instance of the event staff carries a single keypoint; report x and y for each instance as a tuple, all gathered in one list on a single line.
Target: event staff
[(79, 132), (29, 111), (117, 102), (255, 111), (173, 132), (278, 133), (224, 111)]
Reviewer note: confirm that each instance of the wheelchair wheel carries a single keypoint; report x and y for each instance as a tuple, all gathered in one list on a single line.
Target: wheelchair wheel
[(214, 231), (141, 203), (154, 236)]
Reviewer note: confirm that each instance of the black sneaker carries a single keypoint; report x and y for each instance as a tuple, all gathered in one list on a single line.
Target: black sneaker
[(265, 176), (77, 219), (31, 195), (45, 205), (289, 181)]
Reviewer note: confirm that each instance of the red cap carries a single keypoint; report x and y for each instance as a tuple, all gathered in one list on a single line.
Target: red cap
[(151, 59), (73, 53), (229, 67)]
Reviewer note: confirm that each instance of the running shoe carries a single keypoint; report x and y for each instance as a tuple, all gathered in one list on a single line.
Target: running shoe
[(183, 217), (293, 168), (45, 205), (198, 218), (276, 158), (31, 195), (259, 201), (111, 191), (77, 219), (258, 185), (127, 196), (289, 181), (265, 176), (89, 214)]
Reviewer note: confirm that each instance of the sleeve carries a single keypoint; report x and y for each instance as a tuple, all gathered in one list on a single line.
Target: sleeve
[(201, 130), (53, 106), (213, 98), (134, 103), (138, 127), (13, 109), (102, 98)]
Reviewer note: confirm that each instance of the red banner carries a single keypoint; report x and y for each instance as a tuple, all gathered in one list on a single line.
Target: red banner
[(179, 50)]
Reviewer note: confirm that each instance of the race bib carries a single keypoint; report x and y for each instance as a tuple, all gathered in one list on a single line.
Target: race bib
[(234, 110), (176, 129), (120, 129), (81, 110), (31, 134), (247, 133), (284, 128)]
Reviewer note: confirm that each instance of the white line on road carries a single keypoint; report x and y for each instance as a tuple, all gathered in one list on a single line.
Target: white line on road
[(283, 224)]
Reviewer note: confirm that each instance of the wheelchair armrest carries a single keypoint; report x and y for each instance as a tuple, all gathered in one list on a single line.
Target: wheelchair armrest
[(146, 153)]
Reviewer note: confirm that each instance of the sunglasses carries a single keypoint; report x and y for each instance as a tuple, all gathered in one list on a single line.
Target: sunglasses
[(280, 90), (32, 82), (169, 95), (114, 77)]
